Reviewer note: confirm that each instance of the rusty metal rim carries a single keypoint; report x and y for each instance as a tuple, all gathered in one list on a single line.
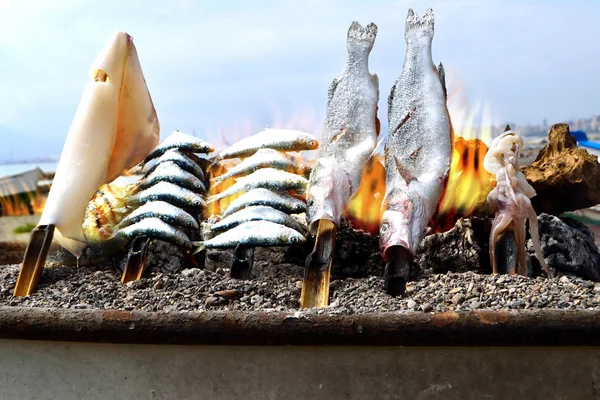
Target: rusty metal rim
[(476, 328)]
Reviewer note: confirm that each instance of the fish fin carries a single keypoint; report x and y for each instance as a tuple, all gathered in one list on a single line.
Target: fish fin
[(442, 74), (414, 23), (213, 162), (332, 88), (403, 120), (199, 248), (375, 152), (444, 178), (391, 98), (405, 171), (507, 128), (357, 33)]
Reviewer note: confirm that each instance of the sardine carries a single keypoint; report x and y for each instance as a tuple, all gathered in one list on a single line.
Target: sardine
[(264, 158), (183, 161), (419, 148), (182, 142), (170, 172), (268, 178), (154, 228), (349, 133), (277, 139), (266, 197), (253, 234), (170, 214), (257, 213), (169, 192)]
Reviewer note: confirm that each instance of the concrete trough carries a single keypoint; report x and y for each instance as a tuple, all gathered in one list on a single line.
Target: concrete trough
[(99, 354)]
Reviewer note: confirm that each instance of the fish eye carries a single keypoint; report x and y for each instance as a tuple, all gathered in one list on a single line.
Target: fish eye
[(313, 143), (294, 239), (197, 203), (189, 224), (384, 228)]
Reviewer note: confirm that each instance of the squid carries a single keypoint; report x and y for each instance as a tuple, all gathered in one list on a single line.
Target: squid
[(114, 128), (511, 201)]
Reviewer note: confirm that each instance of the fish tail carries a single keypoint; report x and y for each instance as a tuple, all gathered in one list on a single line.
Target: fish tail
[(416, 24), (357, 34), (200, 247)]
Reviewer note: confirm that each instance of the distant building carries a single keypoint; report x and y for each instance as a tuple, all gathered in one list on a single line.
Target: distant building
[(23, 193)]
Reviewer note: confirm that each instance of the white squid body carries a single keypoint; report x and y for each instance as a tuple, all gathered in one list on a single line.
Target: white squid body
[(114, 128)]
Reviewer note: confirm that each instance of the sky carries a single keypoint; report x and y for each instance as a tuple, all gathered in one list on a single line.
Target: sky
[(224, 70)]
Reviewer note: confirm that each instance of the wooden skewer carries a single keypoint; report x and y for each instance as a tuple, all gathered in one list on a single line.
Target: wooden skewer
[(317, 271), (136, 259), (34, 260), (397, 272)]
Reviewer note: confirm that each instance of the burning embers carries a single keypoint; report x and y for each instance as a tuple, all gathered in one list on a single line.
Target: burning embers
[(426, 180)]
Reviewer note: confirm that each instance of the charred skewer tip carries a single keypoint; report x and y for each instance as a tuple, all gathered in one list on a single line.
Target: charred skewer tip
[(317, 271)]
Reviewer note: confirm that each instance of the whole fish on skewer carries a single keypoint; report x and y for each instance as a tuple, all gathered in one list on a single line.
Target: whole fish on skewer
[(349, 134), (174, 156), (266, 197), (268, 178), (169, 192), (263, 158), (257, 213), (253, 234), (419, 148), (277, 139), (154, 227), (182, 142), (170, 172), (169, 213)]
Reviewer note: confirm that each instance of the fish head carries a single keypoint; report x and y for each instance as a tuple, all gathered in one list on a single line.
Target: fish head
[(307, 142), (403, 223), (290, 237)]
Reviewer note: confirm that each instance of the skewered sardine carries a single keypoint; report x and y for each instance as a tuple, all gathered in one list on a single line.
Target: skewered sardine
[(156, 229), (253, 234), (169, 192), (349, 134), (266, 197), (264, 158), (182, 142), (268, 178), (183, 161), (170, 172), (277, 139), (170, 214), (257, 213)]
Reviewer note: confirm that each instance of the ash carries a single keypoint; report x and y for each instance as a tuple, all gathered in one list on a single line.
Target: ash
[(450, 272)]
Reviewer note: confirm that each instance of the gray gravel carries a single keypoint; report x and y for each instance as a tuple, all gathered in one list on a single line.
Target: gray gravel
[(195, 289)]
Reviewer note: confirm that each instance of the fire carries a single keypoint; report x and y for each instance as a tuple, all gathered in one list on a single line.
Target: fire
[(364, 210)]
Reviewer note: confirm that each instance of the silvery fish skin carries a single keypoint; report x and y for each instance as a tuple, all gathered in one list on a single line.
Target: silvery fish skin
[(268, 178), (183, 161), (266, 197), (419, 148), (169, 192), (157, 229), (170, 172), (253, 234), (349, 133), (170, 214), (257, 213), (263, 158), (182, 142), (277, 139)]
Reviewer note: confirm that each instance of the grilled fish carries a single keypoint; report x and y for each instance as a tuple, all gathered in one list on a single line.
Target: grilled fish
[(182, 142), (263, 158), (349, 133), (268, 178), (169, 192), (154, 228), (419, 148), (170, 172), (266, 197), (277, 139), (182, 161), (257, 213), (253, 234), (170, 214)]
